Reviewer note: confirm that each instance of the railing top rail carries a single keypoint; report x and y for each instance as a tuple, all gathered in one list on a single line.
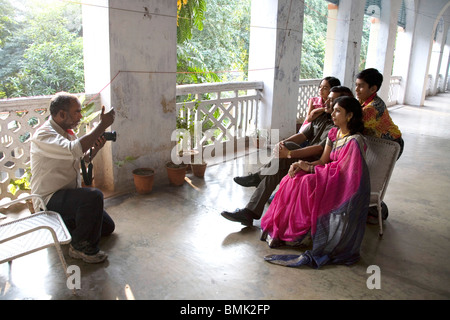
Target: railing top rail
[(218, 87), (18, 104), (305, 82)]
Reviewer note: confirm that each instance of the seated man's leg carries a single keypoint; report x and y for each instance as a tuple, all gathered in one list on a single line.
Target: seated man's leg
[(83, 214), (266, 187), (255, 207), (108, 224)]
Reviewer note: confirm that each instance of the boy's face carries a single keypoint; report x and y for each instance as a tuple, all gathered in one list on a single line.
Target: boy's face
[(363, 91)]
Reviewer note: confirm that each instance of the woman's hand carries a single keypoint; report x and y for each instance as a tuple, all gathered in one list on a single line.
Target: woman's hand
[(297, 166)]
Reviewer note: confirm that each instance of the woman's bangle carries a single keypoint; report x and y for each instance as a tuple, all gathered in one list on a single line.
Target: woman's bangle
[(311, 168)]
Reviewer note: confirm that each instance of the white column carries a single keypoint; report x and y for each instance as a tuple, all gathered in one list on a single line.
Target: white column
[(445, 63), (274, 58), (348, 41), (385, 43), (372, 47), (133, 44), (441, 38), (421, 49), (331, 33), (403, 49)]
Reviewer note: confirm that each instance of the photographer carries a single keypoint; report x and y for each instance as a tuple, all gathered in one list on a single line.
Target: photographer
[(56, 154)]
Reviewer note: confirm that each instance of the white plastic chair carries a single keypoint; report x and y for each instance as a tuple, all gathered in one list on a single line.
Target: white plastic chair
[(381, 156), (40, 230)]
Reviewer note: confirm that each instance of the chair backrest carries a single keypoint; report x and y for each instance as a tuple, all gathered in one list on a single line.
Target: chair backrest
[(381, 156)]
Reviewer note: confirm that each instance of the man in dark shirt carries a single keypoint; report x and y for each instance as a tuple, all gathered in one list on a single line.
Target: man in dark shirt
[(286, 152)]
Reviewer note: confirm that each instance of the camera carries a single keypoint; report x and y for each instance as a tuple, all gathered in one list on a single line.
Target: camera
[(110, 136)]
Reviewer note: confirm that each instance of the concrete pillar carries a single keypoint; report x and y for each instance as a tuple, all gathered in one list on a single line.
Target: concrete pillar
[(372, 47), (131, 57), (382, 43), (403, 49), (438, 52), (331, 33), (445, 63), (274, 58), (348, 41), (421, 49)]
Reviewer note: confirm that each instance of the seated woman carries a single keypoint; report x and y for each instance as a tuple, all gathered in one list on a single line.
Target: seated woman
[(327, 199), (316, 105)]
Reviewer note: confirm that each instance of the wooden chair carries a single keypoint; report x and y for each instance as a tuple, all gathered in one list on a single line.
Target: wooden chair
[(381, 156)]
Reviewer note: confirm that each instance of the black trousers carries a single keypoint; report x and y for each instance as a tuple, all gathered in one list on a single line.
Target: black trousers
[(82, 211)]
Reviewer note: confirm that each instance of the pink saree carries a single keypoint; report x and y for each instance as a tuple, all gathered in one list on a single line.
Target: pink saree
[(331, 204)]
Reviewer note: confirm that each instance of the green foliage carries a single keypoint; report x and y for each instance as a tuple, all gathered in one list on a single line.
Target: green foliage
[(22, 183), (224, 40), (314, 39), (219, 43), (191, 67), (127, 159), (7, 24), (43, 53), (190, 14)]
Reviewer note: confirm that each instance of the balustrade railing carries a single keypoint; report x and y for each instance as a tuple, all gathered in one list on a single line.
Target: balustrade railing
[(307, 88), (394, 90), (223, 111)]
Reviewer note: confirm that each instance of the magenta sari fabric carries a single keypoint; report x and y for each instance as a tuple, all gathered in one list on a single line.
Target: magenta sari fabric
[(331, 204)]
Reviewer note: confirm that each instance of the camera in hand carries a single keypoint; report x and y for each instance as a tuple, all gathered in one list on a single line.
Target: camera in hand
[(110, 136)]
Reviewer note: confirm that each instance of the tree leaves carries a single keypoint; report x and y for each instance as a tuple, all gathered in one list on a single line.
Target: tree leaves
[(44, 53)]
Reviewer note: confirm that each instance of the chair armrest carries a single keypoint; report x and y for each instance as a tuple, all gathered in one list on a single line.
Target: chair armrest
[(43, 206)]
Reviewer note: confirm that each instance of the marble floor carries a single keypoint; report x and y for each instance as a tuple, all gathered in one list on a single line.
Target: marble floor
[(173, 244)]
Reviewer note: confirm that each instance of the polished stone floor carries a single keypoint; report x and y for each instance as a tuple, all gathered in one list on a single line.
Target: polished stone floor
[(174, 244)]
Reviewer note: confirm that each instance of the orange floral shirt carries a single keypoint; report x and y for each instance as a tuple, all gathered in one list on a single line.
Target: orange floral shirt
[(377, 121)]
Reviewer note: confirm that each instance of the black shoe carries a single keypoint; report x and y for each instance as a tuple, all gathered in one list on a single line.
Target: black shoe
[(252, 180), (244, 216)]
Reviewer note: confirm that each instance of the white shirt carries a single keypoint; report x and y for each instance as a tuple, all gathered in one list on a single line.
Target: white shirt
[(55, 161)]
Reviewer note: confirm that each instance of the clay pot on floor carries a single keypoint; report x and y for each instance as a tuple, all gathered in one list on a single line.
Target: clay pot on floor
[(198, 169), (176, 173), (143, 180)]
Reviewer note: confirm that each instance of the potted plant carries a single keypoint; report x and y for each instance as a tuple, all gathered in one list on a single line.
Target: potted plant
[(176, 173), (143, 180), (143, 177), (198, 169), (186, 120)]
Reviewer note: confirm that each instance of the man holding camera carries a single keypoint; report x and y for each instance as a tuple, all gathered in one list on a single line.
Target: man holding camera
[(56, 154)]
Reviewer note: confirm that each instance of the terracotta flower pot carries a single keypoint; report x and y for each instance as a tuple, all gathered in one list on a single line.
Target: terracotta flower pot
[(143, 180), (199, 169), (176, 173)]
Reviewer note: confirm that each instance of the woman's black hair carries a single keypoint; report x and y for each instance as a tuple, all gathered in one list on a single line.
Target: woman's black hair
[(344, 91), (332, 81), (352, 105)]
